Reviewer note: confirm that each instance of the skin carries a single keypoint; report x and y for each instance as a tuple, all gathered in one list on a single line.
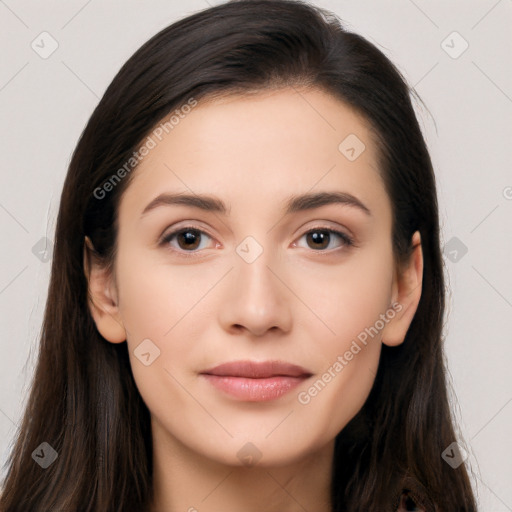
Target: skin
[(296, 302)]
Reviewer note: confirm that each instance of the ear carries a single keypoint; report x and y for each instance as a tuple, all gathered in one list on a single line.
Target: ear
[(407, 286), (102, 297)]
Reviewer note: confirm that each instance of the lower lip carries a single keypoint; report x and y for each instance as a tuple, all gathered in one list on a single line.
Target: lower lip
[(254, 390)]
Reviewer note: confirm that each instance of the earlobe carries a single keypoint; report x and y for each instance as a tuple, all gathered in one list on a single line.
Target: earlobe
[(102, 297), (407, 294)]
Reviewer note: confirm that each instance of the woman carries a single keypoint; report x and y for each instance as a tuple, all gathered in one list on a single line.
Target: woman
[(247, 294)]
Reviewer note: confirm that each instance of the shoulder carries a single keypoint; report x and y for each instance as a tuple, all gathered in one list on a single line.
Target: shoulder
[(412, 496), (407, 504)]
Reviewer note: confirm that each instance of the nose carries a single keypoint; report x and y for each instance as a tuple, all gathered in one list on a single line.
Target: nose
[(256, 297)]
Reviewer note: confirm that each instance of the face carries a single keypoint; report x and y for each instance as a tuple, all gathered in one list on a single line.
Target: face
[(308, 283)]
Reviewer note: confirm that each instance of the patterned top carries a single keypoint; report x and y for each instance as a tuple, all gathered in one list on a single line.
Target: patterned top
[(413, 497), (407, 504)]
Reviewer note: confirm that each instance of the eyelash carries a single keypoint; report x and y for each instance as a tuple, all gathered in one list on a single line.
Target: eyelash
[(347, 240)]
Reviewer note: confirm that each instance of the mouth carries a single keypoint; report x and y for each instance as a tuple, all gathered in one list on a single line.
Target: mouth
[(253, 381)]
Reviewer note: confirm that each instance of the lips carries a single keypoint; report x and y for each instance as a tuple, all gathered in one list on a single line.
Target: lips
[(252, 381), (257, 370)]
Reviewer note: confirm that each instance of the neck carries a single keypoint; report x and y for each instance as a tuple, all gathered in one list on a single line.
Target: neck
[(186, 481)]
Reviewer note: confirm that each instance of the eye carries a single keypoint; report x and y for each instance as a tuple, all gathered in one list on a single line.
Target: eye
[(188, 239), (321, 238)]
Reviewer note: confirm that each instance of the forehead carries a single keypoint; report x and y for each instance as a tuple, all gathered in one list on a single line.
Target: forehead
[(257, 149)]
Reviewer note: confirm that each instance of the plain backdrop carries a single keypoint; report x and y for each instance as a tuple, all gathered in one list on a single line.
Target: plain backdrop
[(456, 54)]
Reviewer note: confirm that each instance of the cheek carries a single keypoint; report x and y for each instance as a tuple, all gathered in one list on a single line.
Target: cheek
[(170, 306), (335, 396), (155, 297), (348, 298)]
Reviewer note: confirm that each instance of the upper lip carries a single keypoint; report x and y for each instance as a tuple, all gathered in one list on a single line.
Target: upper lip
[(257, 370)]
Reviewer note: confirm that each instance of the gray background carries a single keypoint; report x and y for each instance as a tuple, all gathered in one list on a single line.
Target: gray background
[(45, 103)]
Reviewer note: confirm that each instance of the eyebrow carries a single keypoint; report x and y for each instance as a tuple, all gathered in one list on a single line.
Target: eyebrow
[(296, 203)]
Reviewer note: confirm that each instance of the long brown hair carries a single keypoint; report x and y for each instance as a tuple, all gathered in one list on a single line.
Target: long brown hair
[(83, 399)]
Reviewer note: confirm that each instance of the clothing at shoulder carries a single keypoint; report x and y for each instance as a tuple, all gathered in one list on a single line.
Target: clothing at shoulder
[(412, 496), (407, 504)]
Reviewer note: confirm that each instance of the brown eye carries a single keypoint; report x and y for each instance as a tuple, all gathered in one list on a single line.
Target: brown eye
[(318, 239), (188, 239), (321, 238)]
